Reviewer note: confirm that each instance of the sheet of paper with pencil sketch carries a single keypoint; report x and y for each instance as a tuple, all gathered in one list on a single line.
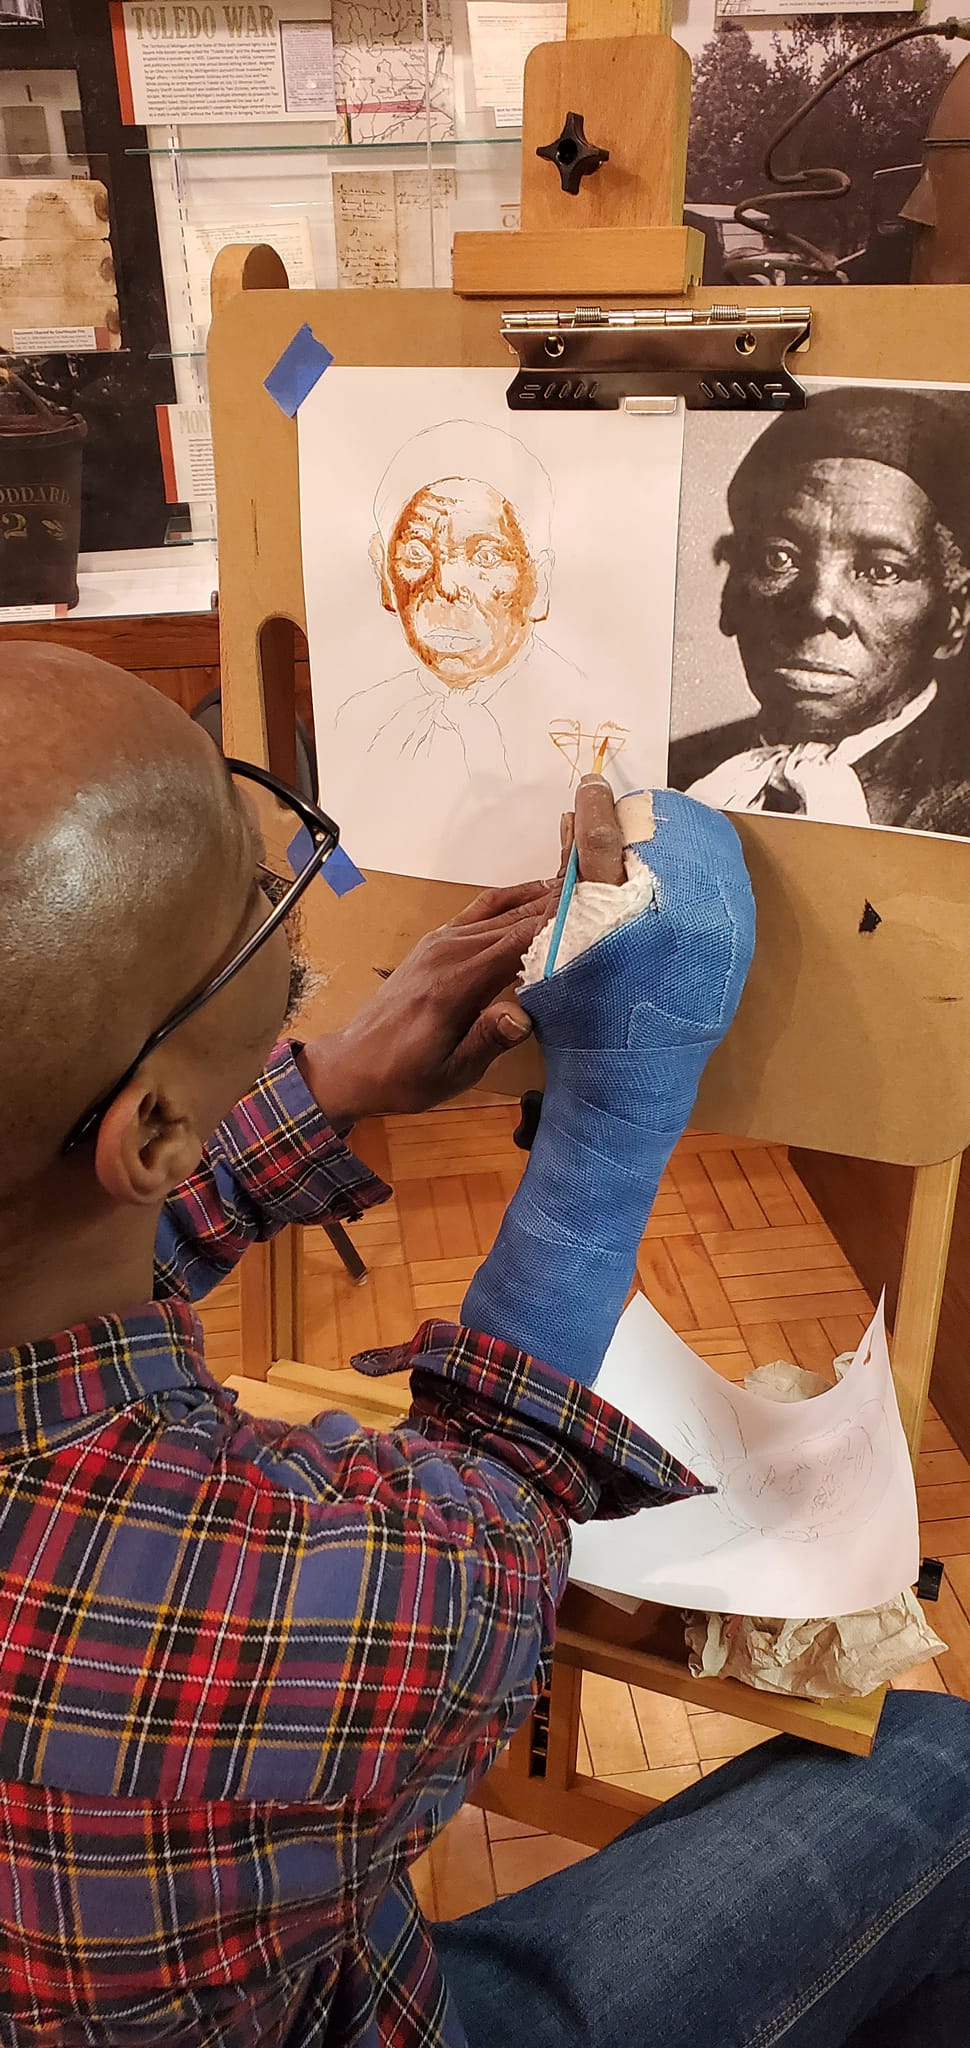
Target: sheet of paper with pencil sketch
[(57, 281), (490, 596), (381, 228), (815, 1508)]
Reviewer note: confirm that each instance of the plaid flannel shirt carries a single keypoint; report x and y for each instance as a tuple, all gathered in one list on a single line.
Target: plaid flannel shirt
[(247, 1670)]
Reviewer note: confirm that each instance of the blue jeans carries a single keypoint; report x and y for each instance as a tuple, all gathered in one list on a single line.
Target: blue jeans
[(795, 1895)]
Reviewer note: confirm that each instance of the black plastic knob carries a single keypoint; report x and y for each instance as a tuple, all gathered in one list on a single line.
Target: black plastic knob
[(574, 157)]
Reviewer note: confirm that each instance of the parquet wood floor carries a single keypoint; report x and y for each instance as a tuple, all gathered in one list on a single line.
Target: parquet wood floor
[(738, 1260)]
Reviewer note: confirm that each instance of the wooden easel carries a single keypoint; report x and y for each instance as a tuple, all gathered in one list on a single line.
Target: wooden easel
[(844, 1041)]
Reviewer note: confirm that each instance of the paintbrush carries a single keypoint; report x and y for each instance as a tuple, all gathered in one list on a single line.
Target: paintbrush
[(569, 881)]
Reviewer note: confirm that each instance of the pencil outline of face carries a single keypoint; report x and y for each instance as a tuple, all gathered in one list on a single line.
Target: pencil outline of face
[(845, 596), (462, 548)]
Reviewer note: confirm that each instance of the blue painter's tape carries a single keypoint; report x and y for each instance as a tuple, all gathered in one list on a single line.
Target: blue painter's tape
[(300, 367), (338, 870), (341, 873), (299, 850)]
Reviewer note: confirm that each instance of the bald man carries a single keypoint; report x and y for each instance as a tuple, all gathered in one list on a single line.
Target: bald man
[(248, 1671)]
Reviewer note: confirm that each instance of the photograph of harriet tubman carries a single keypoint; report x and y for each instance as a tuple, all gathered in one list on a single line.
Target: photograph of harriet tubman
[(823, 612)]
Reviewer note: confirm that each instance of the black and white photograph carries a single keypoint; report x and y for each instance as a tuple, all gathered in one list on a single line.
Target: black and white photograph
[(30, 13), (821, 664), (860, 151)]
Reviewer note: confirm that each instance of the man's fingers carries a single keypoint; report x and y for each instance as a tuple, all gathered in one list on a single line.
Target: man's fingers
[(498, 1028), (598, 836), (491, 903)]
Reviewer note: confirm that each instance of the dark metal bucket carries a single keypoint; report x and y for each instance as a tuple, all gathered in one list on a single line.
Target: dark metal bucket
[(40, 497)]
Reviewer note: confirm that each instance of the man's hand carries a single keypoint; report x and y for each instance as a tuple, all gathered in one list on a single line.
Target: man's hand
[(440, 1019), (437, 1022)]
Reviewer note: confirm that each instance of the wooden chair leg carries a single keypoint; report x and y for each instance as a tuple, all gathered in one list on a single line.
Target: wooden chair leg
[(286, 1294), (255, 1312), (921, 1281)]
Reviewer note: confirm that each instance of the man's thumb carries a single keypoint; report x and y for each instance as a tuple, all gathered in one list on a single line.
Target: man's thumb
[(503, 1025)]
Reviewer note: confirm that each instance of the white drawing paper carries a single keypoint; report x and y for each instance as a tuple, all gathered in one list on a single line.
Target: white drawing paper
[(815, 1509), (489, 595)]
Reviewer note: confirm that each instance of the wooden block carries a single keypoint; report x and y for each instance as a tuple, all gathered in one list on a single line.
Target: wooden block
[(281, 1404), (613, 262), (385, 1400), (617, 18), (634, 94), (922, 1678)]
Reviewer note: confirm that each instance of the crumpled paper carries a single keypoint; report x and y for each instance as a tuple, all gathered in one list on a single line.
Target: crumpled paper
[(841, 1657)]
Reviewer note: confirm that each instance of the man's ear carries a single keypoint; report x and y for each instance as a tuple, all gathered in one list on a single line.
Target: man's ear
[(144, 1148), (957, 627), (543, 566), (378, 558)]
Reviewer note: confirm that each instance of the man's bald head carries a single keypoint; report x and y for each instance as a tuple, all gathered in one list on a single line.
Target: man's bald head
[(125, 872)]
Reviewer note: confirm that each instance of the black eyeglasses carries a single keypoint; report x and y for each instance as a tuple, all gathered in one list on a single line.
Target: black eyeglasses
[(297, 838)]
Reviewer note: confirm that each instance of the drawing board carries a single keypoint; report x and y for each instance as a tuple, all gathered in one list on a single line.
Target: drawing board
[(815, 1508), (831, 1016), (489, 596)]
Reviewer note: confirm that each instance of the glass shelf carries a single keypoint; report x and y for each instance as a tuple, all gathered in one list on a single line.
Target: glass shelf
[(341, 149)]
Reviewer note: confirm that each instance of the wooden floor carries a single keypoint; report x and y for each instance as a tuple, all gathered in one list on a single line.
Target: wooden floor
[(738, 1260)]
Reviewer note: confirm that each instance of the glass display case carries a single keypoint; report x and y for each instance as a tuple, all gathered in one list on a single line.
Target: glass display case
[(137, 137)]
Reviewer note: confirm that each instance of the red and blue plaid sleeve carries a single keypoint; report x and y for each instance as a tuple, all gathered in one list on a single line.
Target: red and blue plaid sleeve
[(275, 1160), (430, 1586)]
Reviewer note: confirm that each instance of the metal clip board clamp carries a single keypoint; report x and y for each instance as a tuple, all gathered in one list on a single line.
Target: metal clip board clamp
[(721, 359)]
